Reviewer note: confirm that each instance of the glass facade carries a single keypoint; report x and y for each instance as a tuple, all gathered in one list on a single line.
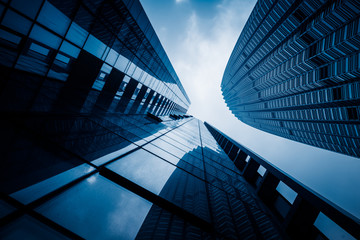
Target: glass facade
[(131, 178), (301, 211), (100, 56), (94, 140), (294, 72)]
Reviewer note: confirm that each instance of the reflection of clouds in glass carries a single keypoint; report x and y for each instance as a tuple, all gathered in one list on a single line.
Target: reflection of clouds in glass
[(134, 210), (91, 179), (141, 167), (98, 209)]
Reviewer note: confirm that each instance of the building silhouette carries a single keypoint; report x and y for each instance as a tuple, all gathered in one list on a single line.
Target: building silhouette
[(294, 72), (96, 143)]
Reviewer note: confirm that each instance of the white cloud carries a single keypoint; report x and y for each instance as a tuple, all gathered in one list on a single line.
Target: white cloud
[(200, 60), (180, 1)]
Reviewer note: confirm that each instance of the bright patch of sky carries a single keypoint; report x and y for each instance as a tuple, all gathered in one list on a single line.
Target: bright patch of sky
[(199, 36)]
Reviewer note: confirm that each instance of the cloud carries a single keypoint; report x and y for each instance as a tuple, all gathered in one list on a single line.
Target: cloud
[(180, 1), (200, 59)]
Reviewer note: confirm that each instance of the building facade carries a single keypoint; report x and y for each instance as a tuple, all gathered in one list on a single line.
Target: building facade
[(302, 213), (295, 70), (94, 140)]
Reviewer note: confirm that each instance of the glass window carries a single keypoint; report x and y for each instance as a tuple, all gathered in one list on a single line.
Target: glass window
[(27, 227), (10, 37), (121, 63), (97, 208), (16, 22), (286, 192), (131, 69), (111, 57), (62, 58), (162, 153), (41, 35), (39, 49), (29, 8), (261, 170), (76, 34), (141, 167), (53, 18), (94, 46), (113, 155), (69, 49), (100, 80), (29, 194), (330, 229)]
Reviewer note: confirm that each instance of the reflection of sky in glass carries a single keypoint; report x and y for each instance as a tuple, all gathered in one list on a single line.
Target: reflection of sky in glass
[(38, 190), (28, 228), (98, 209), (158, 151), (113, 155), (331, 229), (286, 192), (144, 169)]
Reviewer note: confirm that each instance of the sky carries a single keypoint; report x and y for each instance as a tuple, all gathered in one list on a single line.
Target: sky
[(198, 37)]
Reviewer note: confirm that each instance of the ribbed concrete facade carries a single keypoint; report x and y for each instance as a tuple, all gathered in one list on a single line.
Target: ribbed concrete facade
[(294, 72)]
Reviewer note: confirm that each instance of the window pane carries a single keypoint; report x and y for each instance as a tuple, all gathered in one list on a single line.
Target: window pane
[(121, 63), (40, 189), (29, 8), (76, 34), (16, 22), (9, 37), (141, 167), (286, 192), (70, 49), (53, 18), (29, 228), (95, 46), (330, 229), (39, 49), (41, 35), (97, 208), (113, 155)]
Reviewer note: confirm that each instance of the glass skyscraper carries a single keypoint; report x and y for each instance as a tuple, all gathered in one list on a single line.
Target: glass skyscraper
[(96, 143), (295, 70)]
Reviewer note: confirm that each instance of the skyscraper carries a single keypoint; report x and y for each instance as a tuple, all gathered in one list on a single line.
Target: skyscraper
[(94, 140), (294, 72), (96, 143)]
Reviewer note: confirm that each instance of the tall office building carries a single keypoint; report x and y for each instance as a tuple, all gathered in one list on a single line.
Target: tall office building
[(295, 70), (302, 213), (94, 140)]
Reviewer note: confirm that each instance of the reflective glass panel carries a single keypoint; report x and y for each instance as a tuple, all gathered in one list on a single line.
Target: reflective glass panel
[(27, 227), (9, 37), (113, 155), (16, 22), (40, 189), (286, 192), (330, 229), (29, 8), (95, 46), (70, 49), (76, 34), (97, 208), (41, 35), (53, 18), (141, 167)]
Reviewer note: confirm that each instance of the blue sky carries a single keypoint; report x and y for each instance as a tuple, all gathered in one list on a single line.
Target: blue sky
[(199, 36)]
